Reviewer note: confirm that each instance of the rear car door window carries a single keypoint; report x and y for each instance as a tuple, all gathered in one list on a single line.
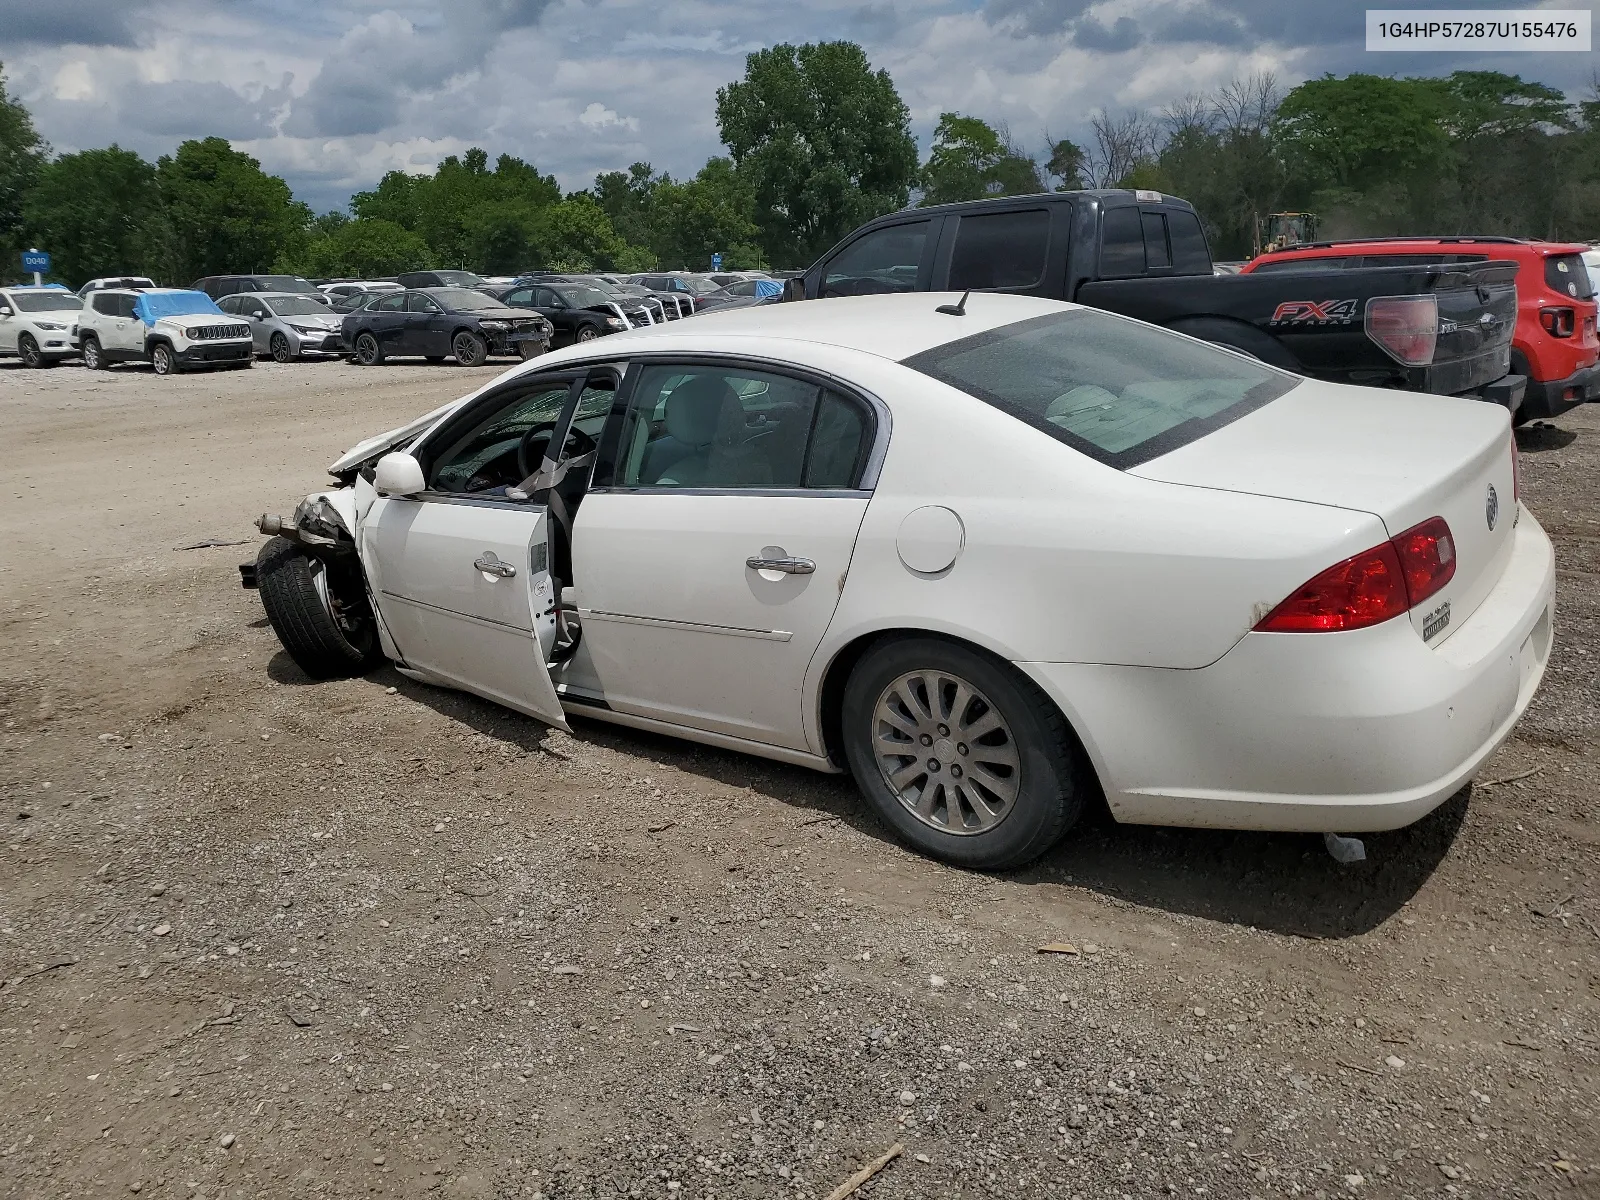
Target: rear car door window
[(125, 305), (1190, 254), (1121, 244), (1000, 250), (103, 303), (392, 304), (1156, 254), (418, 303), (885, 260), (733, 428)]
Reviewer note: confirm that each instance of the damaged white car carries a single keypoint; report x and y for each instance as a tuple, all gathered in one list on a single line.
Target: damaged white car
[(991, 557)]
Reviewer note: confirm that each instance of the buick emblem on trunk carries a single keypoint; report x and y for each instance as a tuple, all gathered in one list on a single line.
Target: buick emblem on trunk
[(1491, 507)]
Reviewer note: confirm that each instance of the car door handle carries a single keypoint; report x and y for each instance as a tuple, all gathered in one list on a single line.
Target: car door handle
[(490, 564), (789, 566)]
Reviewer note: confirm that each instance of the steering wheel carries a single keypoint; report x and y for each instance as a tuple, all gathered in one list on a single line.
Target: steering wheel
[(535, 446)]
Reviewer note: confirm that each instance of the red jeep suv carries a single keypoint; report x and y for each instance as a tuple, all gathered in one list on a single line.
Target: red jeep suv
[(1554, 344)]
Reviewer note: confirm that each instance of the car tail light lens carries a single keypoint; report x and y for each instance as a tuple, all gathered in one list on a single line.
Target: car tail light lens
[(1371, 587), (1364, 590), (1405, 327), (1558, 322), (1427, 557)]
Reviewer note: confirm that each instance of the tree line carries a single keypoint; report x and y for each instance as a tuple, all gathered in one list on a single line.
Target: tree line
[(818, 142)]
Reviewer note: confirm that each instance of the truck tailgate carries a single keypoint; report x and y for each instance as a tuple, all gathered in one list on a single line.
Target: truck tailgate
[(1477, 318)]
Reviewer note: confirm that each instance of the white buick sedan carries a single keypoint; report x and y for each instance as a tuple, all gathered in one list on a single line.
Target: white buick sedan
[(990, 560)]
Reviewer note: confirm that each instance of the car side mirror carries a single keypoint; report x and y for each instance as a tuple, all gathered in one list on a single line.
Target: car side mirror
[(5, 310), (398, 474)]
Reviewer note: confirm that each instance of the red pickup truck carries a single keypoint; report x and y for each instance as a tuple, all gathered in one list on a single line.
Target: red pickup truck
[(1554, 344)]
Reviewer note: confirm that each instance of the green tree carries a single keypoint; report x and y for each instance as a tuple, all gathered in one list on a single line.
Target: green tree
[(99, 212), (1066, 165), (824, 139), (628, 198), (1364, 131), (22, 154), (712, 213), (971, 159), (364, 248), (226, 214)]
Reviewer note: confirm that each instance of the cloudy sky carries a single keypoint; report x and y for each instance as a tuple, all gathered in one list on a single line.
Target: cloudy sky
[(333, 93)]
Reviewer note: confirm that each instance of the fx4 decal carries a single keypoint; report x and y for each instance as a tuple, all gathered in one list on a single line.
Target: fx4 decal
[(1316, 312)]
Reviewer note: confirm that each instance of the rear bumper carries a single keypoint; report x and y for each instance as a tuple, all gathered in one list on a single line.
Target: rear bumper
[(1340, 732), (1551, 398)]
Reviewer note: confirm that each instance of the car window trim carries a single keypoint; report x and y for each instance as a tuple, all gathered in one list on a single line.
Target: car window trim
[(604, 477)]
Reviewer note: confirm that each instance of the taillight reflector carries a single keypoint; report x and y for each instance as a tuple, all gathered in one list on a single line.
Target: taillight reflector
[(1559, 322), (1374, 586), (1406, 328), (1363, 590)]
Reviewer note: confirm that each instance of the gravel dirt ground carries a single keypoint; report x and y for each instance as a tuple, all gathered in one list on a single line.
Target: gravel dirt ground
[(262, 937)]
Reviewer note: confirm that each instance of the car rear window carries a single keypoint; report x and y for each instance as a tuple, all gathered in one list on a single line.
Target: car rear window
[(1118, 390), (1567, 274)]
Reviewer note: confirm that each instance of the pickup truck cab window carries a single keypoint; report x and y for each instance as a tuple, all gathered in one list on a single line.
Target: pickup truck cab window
[(1190, 254), (1000, 250), (1121, 244), (885, 260), (1157, 254)]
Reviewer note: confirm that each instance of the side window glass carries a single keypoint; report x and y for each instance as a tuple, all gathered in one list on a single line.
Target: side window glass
[(1000, 250), (228, 304), (521, 298), (503, 449), (839, 439), (392, 303), (418, 303), (885, 260), (1121, 244), (1190, 254), (732, 428), (104, 304), (125, 305), (1156, 253)]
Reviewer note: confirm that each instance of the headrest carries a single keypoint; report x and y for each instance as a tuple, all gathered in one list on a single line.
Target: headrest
[(695, 408)]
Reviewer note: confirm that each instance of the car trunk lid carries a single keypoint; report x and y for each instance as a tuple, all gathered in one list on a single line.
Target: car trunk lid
[(1402, 457)]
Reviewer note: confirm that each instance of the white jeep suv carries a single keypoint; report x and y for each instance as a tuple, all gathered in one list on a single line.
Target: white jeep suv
[(37, 323), (169, 328)]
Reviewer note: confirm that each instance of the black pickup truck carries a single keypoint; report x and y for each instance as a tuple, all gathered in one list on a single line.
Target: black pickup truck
[(1442, 328)]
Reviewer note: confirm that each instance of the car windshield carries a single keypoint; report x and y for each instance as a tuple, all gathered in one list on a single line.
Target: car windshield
[(45, 301), (286, 283), (1118, 390), (584, 297), (465, 279), (698, 286), (294, 306), (463, 299), (628, 289)]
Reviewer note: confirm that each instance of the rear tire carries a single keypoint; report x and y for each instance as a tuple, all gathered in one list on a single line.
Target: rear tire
[(321, 615), (367, 351), (527, 350), (93, 357), (991, 815)]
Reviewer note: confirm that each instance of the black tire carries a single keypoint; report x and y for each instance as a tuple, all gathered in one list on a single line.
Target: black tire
[(163, 359), (279, 346), (1051, 784), (28, 351), (470, 349), (530, 349), (367, 350), (93, 357), (320, 644), (587, 333)]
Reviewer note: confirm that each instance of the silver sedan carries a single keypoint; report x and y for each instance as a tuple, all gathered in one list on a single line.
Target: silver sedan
[(287, 325)]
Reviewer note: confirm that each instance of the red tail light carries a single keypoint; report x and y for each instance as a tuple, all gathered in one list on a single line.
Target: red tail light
[(1428, 558), (1558, 322), (1405, 327), (1360, 591), (1373, 586)]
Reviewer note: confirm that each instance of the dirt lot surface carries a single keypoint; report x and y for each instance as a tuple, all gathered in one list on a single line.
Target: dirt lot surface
[(261, 937)]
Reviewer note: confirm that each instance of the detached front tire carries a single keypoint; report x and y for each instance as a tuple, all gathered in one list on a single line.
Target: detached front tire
[(319, 612), (960, 754)]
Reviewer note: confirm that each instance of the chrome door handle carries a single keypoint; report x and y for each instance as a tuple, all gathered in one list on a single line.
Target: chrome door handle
[(489, 564), (789, 566)]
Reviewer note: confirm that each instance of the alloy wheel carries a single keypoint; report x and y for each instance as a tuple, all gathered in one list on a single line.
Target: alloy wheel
[(91, 354), (29, 349), (588, 333), (946, 752), (161, 360), (366, 350), (280, 348)]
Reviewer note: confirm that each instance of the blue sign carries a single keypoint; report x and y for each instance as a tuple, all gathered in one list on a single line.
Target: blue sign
[(35, 260), (716, 263)]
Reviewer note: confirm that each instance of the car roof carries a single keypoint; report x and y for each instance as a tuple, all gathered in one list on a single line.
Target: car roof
[(276, 295), (893, 327)]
